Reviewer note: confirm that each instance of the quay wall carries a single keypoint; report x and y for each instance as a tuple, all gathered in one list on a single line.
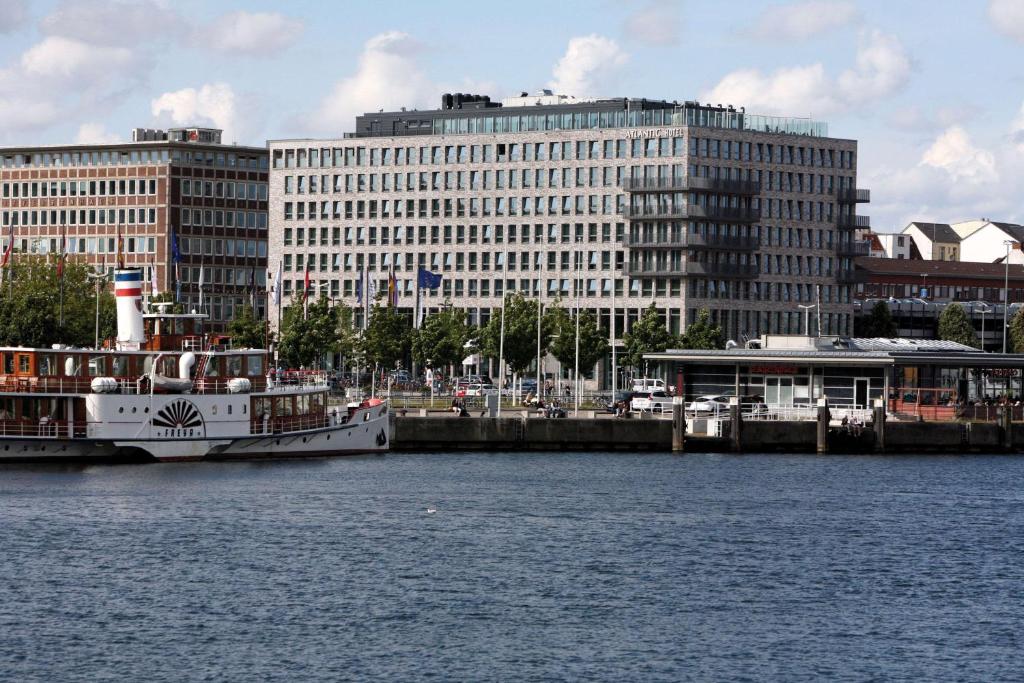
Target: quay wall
[(518, 433)]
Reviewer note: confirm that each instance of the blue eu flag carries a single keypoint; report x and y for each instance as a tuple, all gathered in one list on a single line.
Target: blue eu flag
[(428, 279)]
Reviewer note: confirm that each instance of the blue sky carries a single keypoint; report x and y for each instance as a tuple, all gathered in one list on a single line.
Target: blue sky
[(934, 92)]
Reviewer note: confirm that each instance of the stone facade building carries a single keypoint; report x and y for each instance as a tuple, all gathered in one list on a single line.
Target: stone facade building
[(213, 197), (618, 202)]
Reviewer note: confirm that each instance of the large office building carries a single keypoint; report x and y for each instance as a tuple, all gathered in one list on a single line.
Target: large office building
[(183, 181), (619, 202)]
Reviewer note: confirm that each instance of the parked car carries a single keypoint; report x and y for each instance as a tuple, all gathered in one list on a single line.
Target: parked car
[(648, 384), (709, 405), (481, 390), (651, 401)]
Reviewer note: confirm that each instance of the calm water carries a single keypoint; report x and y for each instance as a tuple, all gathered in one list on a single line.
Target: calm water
[(533, 567)]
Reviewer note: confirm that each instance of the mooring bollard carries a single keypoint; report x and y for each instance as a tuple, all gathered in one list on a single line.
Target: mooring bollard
[(678, 425), (824, 417), (735, 424), (878, 424)]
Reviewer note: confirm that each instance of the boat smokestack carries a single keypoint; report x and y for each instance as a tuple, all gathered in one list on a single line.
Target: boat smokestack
[(128, 290)]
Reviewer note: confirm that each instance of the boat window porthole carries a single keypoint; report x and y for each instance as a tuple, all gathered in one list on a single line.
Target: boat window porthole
[(214, 410), (146, 409), (229, 408), (134, 409), (121, 409)]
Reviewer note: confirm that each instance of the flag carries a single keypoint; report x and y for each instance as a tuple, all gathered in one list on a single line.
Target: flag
[(428, 280), (176, 259), (277, 286), (60, 257), (359, 287), (305, 284), (392, 289), (371, 296), (201, 274), (154, 288), (9, 249), (120, 249)]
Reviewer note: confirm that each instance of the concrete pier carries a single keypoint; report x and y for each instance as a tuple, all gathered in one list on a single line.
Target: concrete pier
[(515, 432)]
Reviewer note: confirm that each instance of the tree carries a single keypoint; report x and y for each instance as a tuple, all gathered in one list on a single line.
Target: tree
[(1016, 331), (593, 340), (956, 327), (30, 305), (703, 334), (648, 335), (442, 338), (246, 330), (305, 339), (520, 333), (387, 338), (878, 323)]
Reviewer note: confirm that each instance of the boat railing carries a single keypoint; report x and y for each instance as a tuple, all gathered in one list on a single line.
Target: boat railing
[(43, 428), (296, 379), (283, 424)]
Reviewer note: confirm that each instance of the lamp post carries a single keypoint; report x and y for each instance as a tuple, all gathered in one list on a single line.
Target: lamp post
[(924, 285), (984, 309), (807, 316), (1006, 288), (98, 278), (576, 372)]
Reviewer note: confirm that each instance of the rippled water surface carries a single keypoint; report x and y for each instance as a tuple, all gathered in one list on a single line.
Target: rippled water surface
[(533, 567)]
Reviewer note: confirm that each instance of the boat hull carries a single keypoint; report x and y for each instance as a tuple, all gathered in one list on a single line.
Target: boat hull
[(366, 432)]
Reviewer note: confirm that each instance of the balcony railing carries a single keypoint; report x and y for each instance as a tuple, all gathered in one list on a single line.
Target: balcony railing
[(730, 242), (850, 195), (652, 270), (854, 248), (692, 183), (726, 270), (853, 222), (714, 213)]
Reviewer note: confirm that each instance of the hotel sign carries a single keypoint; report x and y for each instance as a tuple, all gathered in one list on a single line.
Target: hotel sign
[(637, 133)]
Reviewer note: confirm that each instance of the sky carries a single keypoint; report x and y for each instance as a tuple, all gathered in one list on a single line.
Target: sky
[(933, 91)]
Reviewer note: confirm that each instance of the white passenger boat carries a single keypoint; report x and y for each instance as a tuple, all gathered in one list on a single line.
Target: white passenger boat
[(161, 391)]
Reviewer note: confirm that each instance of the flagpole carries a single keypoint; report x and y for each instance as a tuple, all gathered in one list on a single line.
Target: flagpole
[(501, 342)]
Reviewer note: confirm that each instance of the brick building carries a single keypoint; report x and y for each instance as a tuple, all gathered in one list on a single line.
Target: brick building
[(212, 196)]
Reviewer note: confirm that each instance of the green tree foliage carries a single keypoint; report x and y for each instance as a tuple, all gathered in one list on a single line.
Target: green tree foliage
[(442, 338), (520, 333), (305, 340), (955, 326), (593, 340), (246, 330), (648, 335), (30, 305), (702, 333), (1016, 331), (878, 323), (387, 338)]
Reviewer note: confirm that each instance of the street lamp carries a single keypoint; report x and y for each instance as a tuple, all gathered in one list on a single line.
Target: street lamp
[(807, 317), (1006, 287), (98, 278), (984, 309)]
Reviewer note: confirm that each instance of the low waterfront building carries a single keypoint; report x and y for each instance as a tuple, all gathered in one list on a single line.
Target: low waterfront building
[(182, 181), (784, 371)]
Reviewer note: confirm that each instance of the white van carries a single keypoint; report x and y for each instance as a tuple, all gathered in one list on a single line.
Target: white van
[(644, 384)]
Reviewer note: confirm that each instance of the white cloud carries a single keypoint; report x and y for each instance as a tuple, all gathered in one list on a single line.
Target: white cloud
[(13, 15), (74, 62), (803, 20), (95, 133), (954, 153), (213, 104), (113, 22), (387, 76), (589, 64), (654, 23), (254, 34), (882, 68), (1008, 17)]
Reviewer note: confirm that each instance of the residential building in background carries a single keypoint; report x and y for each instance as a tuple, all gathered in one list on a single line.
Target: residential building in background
[(978, 241), (182, 181), (616, 203), (894, 245), (933, 241)]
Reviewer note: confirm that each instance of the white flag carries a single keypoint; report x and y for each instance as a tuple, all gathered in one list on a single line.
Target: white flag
[(200, 286), (277, 286), (153, 287)]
